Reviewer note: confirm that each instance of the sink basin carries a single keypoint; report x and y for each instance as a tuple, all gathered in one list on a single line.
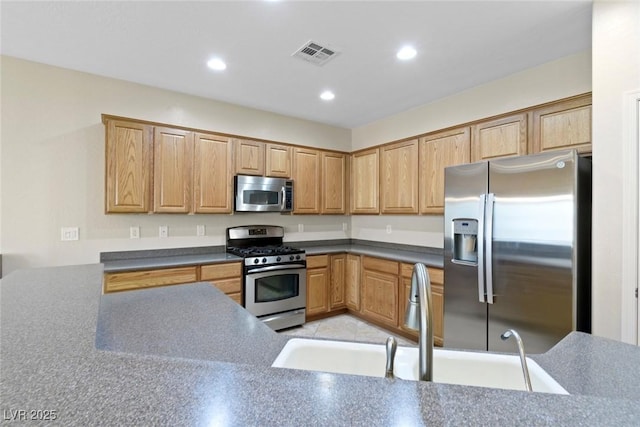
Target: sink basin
[(452, 367)]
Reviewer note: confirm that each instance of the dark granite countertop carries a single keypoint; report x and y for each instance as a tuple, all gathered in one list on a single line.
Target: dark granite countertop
[(54, 358)]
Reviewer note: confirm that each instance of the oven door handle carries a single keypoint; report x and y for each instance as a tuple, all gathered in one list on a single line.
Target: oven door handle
[(276, 267)]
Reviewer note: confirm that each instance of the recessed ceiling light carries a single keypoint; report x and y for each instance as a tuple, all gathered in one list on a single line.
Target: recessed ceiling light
[(216, 64), (327, 95), (407, 52)]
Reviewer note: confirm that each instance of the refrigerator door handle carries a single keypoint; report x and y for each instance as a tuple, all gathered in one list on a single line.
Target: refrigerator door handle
[(481, 217), (489, 246)]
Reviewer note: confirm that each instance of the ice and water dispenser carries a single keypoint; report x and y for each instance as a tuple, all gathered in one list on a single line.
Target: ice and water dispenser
[(465, 240)]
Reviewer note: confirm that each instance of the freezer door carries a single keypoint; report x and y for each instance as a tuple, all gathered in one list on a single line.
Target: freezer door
[(533, 249), (465, 312)]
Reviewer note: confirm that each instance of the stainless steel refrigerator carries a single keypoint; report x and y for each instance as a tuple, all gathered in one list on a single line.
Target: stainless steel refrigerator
[(517, 251)]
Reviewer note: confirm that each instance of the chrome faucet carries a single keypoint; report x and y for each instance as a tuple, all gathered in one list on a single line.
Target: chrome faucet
[(523, 358), (391, 347), (419, 317)]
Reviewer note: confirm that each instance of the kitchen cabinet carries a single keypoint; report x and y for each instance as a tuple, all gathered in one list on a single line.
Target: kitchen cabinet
[(337, 296), (334, 183), (399, 178), (352, 282), (249, 157), (365, 172), (436, 277), (278, 161), (562, 125), (379, 290), (114, 282), (317, 284), (438, 151), (173, 154), (306, 177), (502, 137), (213, 176), (225, 276), (129, 148)]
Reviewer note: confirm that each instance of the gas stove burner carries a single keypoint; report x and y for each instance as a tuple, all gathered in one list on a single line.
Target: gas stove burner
[(263, 250)]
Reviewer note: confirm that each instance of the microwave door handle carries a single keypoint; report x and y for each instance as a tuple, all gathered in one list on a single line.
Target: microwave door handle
[(283, 199)]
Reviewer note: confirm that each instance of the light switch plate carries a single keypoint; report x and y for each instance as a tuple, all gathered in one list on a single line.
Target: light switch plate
[(69, 233), (388, 229), (300, 228), (201, 230), (163, 231)]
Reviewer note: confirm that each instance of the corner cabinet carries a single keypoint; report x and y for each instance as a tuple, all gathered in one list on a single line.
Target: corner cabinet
[(317, 284), (306, 181), (365, 173), (334, 183), (438, 151), (352, 282), (399, 178), (129, 148), (379, 290), (563, 125)]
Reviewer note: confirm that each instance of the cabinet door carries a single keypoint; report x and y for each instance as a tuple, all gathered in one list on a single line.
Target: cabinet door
[(213, 178), (563, 125), (227, 277), (317, 290), (399, 178), (306, 181), (278, 162), (337, 289), (249, 157), (128, 167), (499, 138), (129, 280), (436, 153), (380, 296), (334, 183), (173, 154), (365, 170), (352, 282)]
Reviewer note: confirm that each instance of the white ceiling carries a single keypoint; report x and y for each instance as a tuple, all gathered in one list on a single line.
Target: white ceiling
[(167, 45)]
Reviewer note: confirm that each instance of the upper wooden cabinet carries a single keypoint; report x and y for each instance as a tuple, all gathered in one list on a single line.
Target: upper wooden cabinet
[(563, 125), (249, 157), (334, 183), (213, 177), (173, 154), (128, 166), (503, 137), (278, 161), (306, 179), (437, 151), (399, 178), (365, 170)]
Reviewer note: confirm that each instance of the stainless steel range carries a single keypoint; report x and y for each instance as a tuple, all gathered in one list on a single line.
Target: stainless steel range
[(275, 275)]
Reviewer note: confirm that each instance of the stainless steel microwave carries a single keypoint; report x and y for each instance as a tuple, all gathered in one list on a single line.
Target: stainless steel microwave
[(262, 194)]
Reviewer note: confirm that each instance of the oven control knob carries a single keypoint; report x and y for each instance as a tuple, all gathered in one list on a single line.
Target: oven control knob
[(291, 258), (297, 256), (264, 260), (278, 259), (255, 261)]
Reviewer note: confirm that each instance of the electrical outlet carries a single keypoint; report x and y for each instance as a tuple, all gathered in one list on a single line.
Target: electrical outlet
[(300, 228), (388, 229), (69, 233), (134, 232), (344, 226), (200, 230), (163, 231)]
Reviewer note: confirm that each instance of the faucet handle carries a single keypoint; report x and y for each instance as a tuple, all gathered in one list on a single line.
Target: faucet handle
[(391, 347)]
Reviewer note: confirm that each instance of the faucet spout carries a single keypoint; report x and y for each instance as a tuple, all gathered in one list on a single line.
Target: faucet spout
[(419, 316), (523, 358)]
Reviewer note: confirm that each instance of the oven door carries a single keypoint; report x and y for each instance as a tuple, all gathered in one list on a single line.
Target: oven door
[(275, 289)]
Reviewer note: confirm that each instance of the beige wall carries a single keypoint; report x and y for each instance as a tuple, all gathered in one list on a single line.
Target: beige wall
[(616, 70), (558, 79), (52, 175)]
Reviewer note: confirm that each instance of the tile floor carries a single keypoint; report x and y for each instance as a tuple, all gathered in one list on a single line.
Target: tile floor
[(345, 327)]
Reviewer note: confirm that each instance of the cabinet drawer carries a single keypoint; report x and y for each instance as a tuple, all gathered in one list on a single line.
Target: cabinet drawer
[(316, 261), (406, 270), (220, 271), (236, 297), (114, 282), (377, 264), (229, 286)]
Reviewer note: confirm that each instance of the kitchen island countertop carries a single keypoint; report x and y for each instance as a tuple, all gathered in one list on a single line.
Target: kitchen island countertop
[(63, 351)]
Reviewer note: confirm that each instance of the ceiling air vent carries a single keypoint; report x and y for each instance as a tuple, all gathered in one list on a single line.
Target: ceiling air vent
[(315, 53)]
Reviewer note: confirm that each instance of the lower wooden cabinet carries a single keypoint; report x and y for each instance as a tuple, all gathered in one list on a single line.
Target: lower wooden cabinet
[(337, 295), (317, 284), (379, 290), (352, 282), (126, 281), (436, 276), (227, 277)]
